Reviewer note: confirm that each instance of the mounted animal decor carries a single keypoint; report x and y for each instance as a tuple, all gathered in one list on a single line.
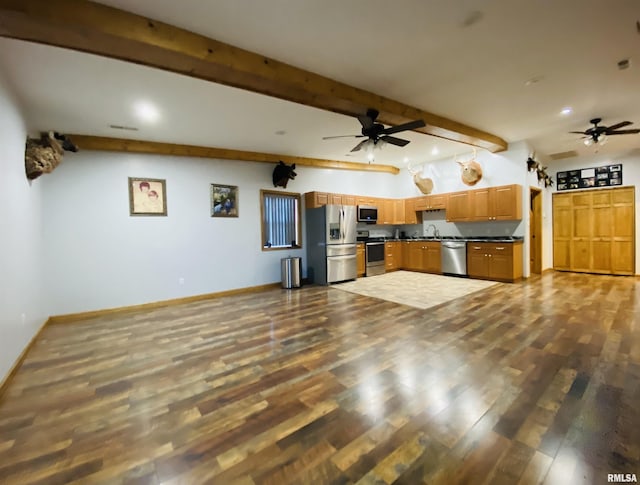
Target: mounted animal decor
[(283, 173), (44, 154), (471, 171), (425, 184), (541, 172)]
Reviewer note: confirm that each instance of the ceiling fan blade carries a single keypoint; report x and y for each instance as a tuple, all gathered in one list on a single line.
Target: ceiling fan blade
[(342, 136), (395, 141), (359, 145), (578, 132), (619, 125), (412, 125), (623, 132), (368, 120), (365, 121)]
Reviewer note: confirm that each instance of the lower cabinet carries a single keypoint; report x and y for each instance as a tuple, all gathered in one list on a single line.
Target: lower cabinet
[(392, 255), (360, 259), (494, 261), (423, 256)]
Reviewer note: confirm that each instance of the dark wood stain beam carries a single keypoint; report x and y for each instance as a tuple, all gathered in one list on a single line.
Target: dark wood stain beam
[(99, 29)]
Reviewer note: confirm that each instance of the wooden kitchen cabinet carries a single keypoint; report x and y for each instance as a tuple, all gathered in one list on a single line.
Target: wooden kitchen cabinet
[(386, 211), (414, 256), (335, 199), (313, 200), (411, 214), (593, 231), (458, 209), (501, 203), (348, 199), (398, 211), (432, 257), (363, 200), (424, 256), (392, 255), (360, 259), (431, 202), (495, 261)]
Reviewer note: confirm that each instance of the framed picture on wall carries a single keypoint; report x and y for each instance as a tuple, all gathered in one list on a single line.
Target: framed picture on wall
[(224, 200), (147, 197)]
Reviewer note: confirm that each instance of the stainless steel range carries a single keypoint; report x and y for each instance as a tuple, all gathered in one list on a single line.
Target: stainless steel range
[(374, 253)]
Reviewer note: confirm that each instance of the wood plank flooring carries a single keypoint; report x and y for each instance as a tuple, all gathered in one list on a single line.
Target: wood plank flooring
[(534, 382)]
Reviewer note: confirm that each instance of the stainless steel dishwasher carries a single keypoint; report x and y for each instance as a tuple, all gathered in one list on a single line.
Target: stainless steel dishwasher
[(454, 258)]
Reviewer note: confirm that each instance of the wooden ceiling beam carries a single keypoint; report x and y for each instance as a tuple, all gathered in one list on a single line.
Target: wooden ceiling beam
[(91, 27), (99, 143)]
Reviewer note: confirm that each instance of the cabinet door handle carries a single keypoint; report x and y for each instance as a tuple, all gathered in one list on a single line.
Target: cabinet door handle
[(499, 249), (477, 247)]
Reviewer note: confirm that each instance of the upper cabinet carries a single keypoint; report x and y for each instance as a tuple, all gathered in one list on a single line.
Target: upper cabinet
[(503, 203), (315, 199), (431, 202), (318, 199), (411, 214), (458, 207)]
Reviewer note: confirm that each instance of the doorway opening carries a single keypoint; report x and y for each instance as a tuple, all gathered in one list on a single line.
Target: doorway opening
[(535, 230)]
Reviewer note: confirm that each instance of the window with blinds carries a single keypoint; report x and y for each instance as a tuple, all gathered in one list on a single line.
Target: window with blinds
[(280, 220)]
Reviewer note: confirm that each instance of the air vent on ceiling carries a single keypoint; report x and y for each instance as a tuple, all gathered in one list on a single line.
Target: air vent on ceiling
[(563, 155), (121, 127)]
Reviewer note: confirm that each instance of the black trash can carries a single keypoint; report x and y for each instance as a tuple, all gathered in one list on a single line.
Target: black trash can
[(291, 272)]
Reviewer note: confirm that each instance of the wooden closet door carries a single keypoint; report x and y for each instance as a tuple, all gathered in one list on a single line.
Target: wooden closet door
[(601, 231), (581, 232), (623, 231), (562, 228)]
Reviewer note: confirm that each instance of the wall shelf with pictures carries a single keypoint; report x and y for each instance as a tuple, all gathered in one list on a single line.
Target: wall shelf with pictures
[(585, 178)]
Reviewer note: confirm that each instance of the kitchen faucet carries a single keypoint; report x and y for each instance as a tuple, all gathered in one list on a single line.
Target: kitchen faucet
[(436, 233)]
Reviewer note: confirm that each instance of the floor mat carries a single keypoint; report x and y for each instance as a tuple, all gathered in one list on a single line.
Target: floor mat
[(419, 290)]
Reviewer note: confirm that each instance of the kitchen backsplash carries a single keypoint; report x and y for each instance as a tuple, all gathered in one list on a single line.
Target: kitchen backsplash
[(436, 220)]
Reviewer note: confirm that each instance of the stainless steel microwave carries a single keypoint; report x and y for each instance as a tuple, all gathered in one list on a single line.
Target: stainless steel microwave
[(367, 213)]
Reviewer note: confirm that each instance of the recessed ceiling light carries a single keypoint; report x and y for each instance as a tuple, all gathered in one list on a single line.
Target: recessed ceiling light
[(435, 151), (566, 111), (146, 111), (406, 159), (624, 64), (533, 80), (472, 18)]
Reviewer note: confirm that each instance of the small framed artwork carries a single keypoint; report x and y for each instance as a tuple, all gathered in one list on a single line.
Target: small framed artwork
[(147, 197), (224, 200)]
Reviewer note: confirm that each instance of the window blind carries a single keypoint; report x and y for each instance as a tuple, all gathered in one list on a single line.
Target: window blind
[(280, 220)]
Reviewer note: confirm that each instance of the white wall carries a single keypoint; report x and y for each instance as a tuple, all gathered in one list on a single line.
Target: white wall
[(22, 309), (99, 257), (630, 177)]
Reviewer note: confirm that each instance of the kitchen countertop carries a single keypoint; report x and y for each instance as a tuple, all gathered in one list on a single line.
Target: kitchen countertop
[(505, 239)]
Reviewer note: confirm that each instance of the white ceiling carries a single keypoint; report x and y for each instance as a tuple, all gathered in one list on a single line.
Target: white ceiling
[(415, 51)]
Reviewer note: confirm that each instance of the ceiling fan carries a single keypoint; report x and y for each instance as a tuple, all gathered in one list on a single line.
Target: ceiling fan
[(376, 132), (598, 133)]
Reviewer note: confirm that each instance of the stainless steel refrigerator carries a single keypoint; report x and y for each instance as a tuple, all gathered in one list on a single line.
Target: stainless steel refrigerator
[(331, 244)]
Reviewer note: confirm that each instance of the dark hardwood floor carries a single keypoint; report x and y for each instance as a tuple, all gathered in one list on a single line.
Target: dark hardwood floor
[(534, 382)]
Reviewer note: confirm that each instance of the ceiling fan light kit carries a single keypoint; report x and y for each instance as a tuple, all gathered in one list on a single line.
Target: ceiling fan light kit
[(599, 134)]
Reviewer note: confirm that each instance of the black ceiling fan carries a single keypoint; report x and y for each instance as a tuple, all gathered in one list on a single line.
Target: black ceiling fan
[(598, 132), (377, 132)]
